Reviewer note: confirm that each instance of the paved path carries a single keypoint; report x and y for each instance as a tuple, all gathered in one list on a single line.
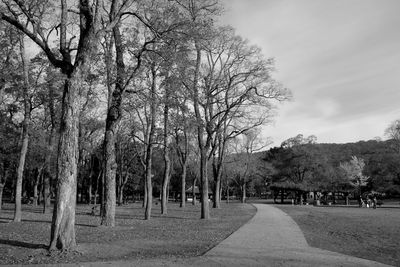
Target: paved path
[(270, 238)]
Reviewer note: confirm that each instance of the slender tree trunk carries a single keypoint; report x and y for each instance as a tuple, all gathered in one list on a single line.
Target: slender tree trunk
[(113, 117), (205, 205), (149, 151), (121, 194), (227, 194), (203, 146), (167, 160), (25, 135), (1, 194), (35, 190), (244, 193), (148, 184), (183, 186), (90, 185), (194, 191), (144, 204), (217, 171), (47, 177)]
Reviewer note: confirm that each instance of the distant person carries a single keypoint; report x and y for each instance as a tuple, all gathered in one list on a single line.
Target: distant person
[(374, 201)]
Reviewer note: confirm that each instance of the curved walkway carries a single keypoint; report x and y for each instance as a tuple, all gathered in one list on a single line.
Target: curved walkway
[(270, 238)]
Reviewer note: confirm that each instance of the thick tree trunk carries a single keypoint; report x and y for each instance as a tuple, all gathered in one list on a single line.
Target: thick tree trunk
[(108, 216), (63, 224), (25, 135)]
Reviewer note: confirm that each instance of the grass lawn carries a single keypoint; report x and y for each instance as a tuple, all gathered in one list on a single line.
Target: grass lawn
[(365, 233), (180, 233)]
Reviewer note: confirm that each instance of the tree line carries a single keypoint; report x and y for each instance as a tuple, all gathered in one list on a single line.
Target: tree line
[(118, 91), (301, 165)]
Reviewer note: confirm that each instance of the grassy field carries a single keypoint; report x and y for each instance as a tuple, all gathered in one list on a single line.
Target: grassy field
[(179, 234), (365, 233)]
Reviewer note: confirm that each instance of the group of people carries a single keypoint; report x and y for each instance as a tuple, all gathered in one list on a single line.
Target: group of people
[(369, 202)]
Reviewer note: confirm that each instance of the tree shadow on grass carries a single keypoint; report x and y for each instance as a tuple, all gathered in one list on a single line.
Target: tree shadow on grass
[(22, 244), (41, 221)]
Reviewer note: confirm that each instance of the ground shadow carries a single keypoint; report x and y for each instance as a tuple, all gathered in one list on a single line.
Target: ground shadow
[(40, 221), (22, 244)]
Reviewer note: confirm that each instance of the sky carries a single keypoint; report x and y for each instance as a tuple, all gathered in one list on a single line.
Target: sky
[(339, 58)]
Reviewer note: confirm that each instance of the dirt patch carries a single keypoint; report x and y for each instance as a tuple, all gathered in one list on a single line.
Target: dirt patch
[(365, 233), (178, 234)]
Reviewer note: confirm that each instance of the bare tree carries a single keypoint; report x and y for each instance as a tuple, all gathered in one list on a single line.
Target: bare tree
[(36, 20)]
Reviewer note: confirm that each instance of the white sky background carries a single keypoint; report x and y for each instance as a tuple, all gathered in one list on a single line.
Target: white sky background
[(340, 59)]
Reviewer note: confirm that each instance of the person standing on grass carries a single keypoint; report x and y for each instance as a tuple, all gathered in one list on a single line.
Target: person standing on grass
[(374, 201)]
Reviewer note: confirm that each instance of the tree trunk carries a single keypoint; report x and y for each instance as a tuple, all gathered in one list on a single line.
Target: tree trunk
[(183, 186), (108, 215), (121, 194), (63, 224), (244, 193), (227, 194), (203, 146), (148, 184), (144, 204), (113, 117), (149, 150), (25, 134), (194, 191), (47, 175), (167, 160), (217, 171), (205, 206), (35, 191), (1, 194)]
